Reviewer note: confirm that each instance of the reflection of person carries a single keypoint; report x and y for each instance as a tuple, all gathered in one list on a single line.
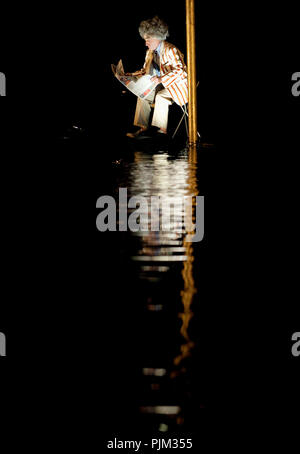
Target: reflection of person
[(166, 63)]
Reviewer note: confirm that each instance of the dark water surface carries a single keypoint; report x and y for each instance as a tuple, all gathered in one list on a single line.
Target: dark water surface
[(157, 305), (171, 329)]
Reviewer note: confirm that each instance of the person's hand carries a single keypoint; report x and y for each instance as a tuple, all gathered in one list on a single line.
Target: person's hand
[(156, 79)]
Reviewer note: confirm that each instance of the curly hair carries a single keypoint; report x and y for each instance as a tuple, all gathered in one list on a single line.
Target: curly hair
[(154, 28)]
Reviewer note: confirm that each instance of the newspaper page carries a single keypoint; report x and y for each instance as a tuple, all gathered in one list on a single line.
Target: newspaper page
[(140, 86)]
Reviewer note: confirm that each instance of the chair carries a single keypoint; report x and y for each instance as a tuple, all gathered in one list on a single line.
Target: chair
[(184, 116)]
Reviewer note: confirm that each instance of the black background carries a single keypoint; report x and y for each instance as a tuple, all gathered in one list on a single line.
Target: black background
[(57, 58)]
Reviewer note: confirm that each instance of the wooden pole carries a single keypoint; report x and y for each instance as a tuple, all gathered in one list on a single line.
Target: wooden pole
[(191, 68)]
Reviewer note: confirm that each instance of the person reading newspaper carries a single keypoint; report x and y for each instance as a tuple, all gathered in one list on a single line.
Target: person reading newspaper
[(166, 65)]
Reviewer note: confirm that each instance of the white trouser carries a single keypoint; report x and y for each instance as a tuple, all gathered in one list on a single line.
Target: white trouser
[(163, 100)]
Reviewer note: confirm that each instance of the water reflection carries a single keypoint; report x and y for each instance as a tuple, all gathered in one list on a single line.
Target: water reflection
[(163, 264)]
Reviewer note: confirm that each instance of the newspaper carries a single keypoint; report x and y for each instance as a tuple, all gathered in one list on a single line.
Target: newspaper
[(140, 86)]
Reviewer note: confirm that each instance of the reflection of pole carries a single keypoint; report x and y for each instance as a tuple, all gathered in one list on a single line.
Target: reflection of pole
[(191, 67), (189, 290)]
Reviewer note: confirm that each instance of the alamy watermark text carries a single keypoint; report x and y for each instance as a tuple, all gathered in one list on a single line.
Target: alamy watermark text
[(296, 84), (2, 84), (155, 213), (296, 344), (2, 344)]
